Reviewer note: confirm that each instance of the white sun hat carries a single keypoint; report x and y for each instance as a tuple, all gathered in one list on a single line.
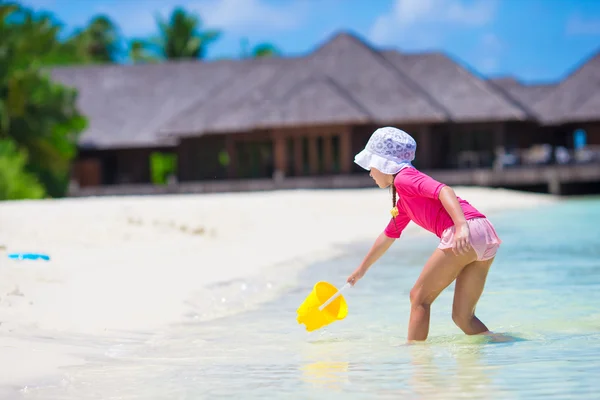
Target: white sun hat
[(389, 150)]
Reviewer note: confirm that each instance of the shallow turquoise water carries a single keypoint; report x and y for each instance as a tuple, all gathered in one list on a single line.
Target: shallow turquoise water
[(543, 290)]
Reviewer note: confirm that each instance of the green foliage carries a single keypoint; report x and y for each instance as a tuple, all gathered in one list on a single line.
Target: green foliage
[(140, 52), (182, 37), (265, 50), (161, 166), (39, 119), (258, 51), (99, 42), (179, 37), (32, 39), (224, 159), (15, 182), (39, 115)]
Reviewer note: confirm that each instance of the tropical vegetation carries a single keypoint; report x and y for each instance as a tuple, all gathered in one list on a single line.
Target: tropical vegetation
[(40, 122)]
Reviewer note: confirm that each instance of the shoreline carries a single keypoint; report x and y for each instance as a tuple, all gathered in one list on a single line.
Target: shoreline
[(112, 276)]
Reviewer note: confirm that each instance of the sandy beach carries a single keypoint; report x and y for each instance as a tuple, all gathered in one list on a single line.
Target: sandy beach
[(136, 264)]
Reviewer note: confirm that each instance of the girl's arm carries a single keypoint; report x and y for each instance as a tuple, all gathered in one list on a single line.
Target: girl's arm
[(381, 245), (452, 206)]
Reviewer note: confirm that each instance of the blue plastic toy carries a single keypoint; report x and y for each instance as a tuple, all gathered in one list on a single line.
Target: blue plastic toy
[(28, 256)]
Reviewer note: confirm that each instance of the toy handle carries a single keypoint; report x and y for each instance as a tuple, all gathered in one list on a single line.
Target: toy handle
[(335, 296)]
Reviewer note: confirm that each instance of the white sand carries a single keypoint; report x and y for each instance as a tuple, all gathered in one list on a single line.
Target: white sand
[(131, 264)]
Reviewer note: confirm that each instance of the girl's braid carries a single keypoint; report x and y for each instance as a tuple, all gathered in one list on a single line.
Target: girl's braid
[(394, 199), (394, 193)]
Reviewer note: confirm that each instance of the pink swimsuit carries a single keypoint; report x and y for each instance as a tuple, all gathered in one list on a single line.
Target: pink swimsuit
[(418, 201)]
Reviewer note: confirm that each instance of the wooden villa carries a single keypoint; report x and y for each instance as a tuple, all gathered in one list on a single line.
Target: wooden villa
[(297, 122)]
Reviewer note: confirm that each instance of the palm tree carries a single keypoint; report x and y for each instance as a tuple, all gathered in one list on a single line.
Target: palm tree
[(35, 33), (140, 52), (38, 116), (99, 42), (259, 51), (182, 36), (265, 50)]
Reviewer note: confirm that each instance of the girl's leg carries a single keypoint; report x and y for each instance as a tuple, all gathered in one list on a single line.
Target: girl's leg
[(468, 290), (440, 270)]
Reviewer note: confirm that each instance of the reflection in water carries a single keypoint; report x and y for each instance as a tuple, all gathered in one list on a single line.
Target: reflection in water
[(426, 378), (473, 378), (448, 367), (452, 367), (325, 364), (331, 375), (449, 371)]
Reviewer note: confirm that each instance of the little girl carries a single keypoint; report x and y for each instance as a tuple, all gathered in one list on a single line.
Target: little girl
[(468, 241)]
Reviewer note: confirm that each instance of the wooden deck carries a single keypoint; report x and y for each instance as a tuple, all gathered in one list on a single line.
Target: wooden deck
[(553, 177)]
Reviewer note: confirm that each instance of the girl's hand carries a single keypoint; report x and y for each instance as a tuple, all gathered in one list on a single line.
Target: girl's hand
[(461, 243), (356, 275)]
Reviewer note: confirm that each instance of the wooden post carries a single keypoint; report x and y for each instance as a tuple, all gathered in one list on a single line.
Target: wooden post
[(346, 151), (554, 183), (328, 153), (424, 157), (499, 145), (88, 172), (183, 165), (499, 135), (280, 153), (298, 156), (233, 158), (313, 155)]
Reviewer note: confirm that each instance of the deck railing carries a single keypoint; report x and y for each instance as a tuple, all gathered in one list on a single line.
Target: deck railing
[(539, 155), (553, 175)]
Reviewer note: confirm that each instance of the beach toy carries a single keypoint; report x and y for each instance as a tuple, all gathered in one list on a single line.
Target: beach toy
[(28, 256), (324, 305)]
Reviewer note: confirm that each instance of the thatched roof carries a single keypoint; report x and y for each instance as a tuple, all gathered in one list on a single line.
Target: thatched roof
[(345, 81), (465, 96), (527, 95), (127, 105), (382, 89), (575, 99), (313, 101)]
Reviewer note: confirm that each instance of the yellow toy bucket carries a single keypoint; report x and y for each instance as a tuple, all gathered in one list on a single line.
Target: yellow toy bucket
[(322, 306)]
